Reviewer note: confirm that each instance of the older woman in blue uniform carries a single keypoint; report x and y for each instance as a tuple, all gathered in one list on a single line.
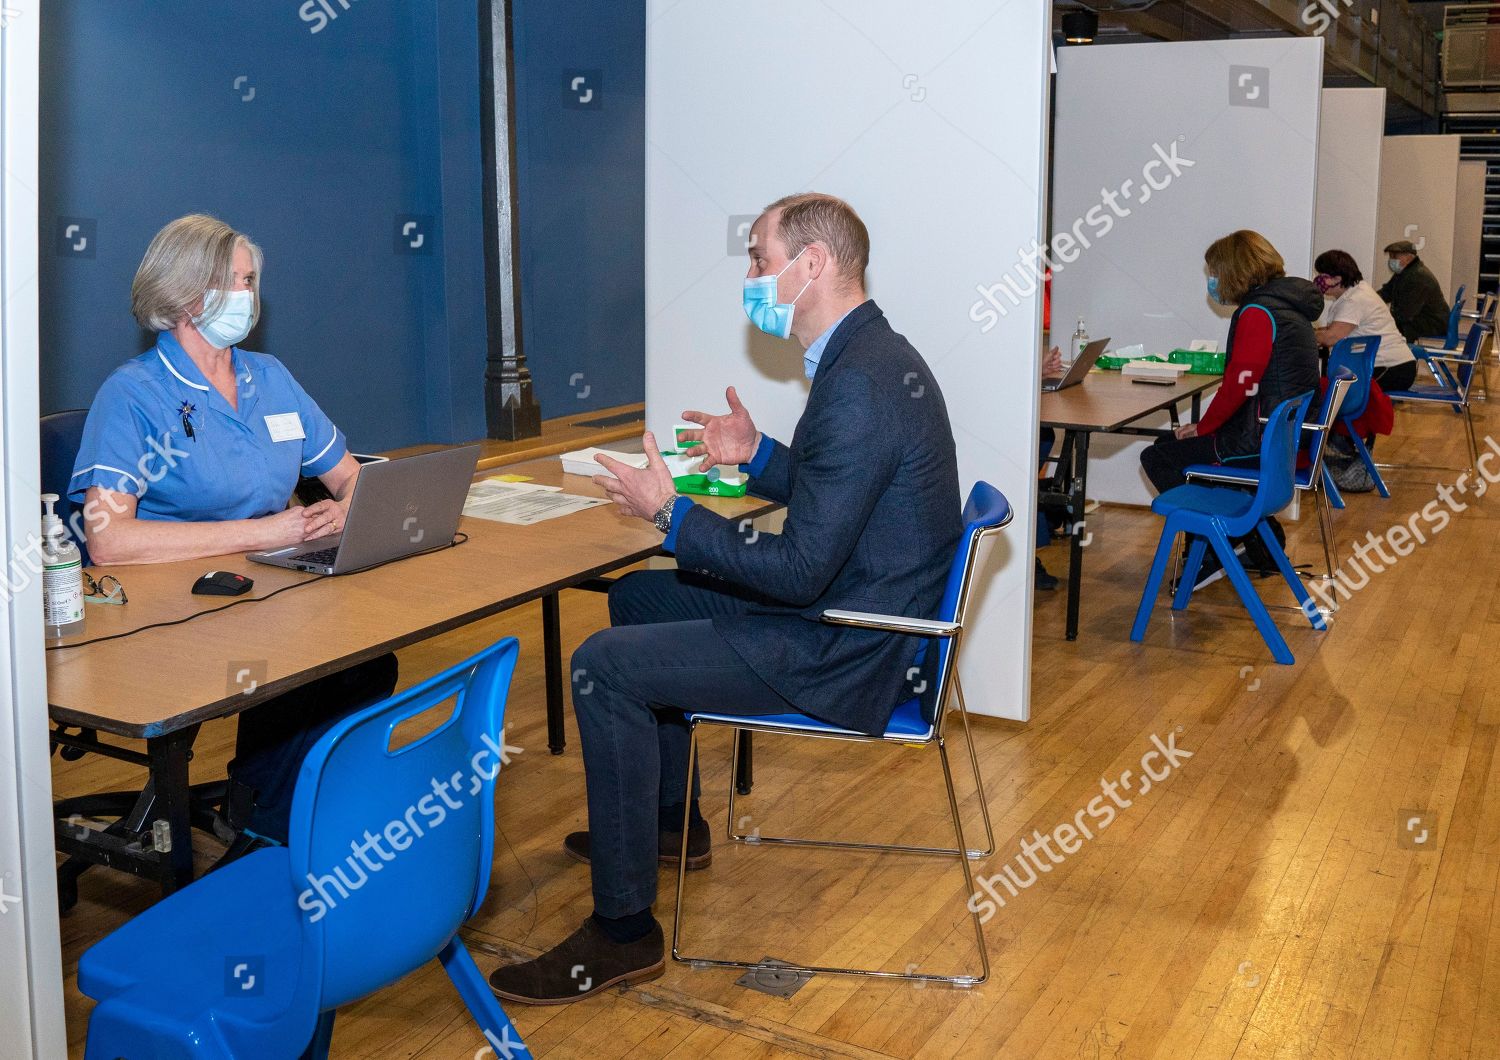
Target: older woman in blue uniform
[(193, 449)]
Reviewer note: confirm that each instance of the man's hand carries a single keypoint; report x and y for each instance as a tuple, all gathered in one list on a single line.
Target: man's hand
[(1052, 365), (1187, 430), (729, 439), (638, 491)]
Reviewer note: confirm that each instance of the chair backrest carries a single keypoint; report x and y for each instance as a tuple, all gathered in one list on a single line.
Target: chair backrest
[(986, 512), (61, 433), (1357, 355), (390, 848), (1339, 381), (1455, 317), (1462, 373), (1278, 456)]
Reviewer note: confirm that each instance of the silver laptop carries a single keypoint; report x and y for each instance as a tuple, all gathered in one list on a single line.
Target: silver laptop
[(1079, 368), (399, 508)]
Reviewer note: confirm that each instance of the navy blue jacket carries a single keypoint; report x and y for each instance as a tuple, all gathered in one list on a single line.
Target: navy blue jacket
[(870, 484)]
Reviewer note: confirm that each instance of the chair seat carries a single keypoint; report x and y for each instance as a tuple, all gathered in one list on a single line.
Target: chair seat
[(174, 965), (1225, 502), (906, 722)]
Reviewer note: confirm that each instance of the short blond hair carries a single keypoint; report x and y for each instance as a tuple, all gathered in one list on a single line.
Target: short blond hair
[(1242, 261), (189, 258), (811, 217)]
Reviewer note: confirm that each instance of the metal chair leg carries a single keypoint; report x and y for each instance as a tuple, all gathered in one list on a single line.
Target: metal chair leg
[(984, 802), (958, 831)]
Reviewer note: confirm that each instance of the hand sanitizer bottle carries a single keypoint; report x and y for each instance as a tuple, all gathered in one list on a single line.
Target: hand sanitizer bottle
[(62, 576), (1080, 340)]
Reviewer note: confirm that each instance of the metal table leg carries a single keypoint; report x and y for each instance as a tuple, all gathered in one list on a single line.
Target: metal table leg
[(1078, 490), (169, 756), (552, 652)]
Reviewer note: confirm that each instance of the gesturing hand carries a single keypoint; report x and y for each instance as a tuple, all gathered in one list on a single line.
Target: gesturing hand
[(638, 491), (728, 439)]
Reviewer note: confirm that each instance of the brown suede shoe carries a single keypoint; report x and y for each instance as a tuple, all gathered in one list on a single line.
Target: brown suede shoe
[(580, 966), (668, 845)]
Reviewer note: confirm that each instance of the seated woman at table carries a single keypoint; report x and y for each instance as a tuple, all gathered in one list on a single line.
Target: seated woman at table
[(193, 449), (1356, 310), (1273, 355)]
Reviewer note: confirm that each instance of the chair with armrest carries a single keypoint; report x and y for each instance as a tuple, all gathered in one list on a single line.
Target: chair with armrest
[(1213, 515), (1454, 372), (917, 723), (253, 959), (1449, 339), (1358, 356), (1314, 478)]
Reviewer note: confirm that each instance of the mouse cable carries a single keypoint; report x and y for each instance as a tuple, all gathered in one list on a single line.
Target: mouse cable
[(459, 539)]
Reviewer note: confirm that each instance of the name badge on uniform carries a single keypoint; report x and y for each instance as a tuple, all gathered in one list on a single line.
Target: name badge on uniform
[(285, 427)]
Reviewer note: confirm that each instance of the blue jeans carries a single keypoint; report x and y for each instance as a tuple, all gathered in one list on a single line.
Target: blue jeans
[(631, 683)]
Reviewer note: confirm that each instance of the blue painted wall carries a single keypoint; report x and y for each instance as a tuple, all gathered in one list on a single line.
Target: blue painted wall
[(321, 138)]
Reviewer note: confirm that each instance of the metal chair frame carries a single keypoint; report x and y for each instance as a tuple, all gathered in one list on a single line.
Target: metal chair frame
[(948, 680), (1448, 369)]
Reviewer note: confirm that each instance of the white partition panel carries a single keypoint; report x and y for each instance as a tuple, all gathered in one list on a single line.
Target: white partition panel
[(932, 122), (1468, 225), (1349, 139), (1418, 200), (1160, 149)]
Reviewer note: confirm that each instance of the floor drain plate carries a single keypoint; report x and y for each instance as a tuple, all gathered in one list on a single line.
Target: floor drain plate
[(774, 977)]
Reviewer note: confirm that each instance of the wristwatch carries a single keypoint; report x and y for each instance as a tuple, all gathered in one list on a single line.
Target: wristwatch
[(663, 516)]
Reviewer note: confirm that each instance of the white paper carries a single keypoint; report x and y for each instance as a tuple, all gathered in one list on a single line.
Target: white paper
[(523, 503), (285, 427), (1205, 345), (582, 462)]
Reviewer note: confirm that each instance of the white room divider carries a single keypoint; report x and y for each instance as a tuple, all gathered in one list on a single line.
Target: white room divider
[(31, 997), (1349, 139), (1240, 118), (931, 121), (1418, 200), (1468, 225)]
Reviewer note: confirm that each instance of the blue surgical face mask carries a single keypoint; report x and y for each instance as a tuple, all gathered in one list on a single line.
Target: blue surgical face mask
[(1394, 264), (229, 322), (761, 306), (1213, 289)]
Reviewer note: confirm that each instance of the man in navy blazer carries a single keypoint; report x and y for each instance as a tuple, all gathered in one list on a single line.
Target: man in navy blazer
[(870, 485)]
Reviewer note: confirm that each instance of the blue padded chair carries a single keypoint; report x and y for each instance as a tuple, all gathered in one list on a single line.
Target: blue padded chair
[(1454, 372), (1358, 356), (1315, 478), (252, 960), (918, 722), (1449, 339), (1212, 515)]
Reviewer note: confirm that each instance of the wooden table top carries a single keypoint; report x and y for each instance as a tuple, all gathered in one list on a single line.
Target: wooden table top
[(1107, 401), (160, 680)]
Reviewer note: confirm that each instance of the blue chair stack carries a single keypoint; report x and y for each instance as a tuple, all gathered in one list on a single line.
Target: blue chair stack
[(1213, 515), (381, 870), (916, 723)]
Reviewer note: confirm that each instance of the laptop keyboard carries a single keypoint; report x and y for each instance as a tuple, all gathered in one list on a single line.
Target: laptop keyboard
[(324, 557)]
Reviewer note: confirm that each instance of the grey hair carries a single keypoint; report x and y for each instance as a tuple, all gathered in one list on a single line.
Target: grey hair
[(190, 258)]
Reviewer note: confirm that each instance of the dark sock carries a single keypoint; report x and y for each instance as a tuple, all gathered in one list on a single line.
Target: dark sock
[(669, 818), (624, 929)]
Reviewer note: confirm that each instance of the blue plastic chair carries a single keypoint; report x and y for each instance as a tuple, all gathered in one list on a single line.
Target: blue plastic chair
[(61, 434), (1315, 478), (1358, 356), (1448, 340), (1454, 372), (1212, 515), (918, 723), (252, 960)]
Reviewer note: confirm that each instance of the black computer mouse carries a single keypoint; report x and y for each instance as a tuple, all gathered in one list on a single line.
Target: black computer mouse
[(222, 583)]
